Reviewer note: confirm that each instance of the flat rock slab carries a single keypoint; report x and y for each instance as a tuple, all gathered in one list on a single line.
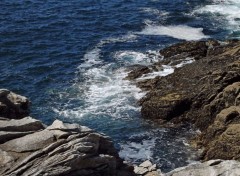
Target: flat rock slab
[(21, 125), (31, 142), (8, 135)]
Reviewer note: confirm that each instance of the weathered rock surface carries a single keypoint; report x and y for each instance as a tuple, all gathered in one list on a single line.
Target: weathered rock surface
[(213, 168), (147, 169), (205, 93), (28, 148), (12, 105)]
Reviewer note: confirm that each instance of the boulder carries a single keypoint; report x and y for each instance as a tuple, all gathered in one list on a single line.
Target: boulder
[(12, 105), (61, 149)]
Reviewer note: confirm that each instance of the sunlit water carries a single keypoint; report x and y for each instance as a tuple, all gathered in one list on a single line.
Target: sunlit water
[(69, 58)]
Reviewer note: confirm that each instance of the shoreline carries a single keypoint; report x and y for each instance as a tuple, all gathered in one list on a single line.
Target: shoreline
[(205, 93)]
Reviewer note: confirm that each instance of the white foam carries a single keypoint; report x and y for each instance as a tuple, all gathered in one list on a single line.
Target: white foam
[(105, 91), (133, 57), (179, 32), (225, 11), (166, 70), (91, 58), (188, 60), (132, 151), (130, 37)]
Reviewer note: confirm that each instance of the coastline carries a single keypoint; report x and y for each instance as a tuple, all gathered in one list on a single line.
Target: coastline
[(204, 93)]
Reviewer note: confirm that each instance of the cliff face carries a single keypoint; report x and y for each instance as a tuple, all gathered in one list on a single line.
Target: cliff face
[(28, 147), (205, 93)]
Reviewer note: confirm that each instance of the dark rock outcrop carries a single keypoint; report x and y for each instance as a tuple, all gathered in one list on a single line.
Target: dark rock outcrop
[(205, 93)]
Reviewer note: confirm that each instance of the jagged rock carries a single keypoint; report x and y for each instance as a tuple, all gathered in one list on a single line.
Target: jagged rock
[(138, 72), (165, 107), (199, 93), (13, 106), (213, 168), (196, 49), (61, 149)]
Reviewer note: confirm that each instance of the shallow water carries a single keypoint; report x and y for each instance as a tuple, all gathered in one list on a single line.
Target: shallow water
[(69, 58)]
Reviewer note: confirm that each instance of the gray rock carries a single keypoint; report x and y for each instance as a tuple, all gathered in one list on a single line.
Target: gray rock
[(152, 168), (13, 106), (140, 170), (146, 164), (59, 125), (212, 167), (62, 149), (31, 142), (8, 135), (21, 125)]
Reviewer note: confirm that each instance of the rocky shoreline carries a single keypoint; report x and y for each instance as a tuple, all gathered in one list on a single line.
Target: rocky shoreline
[(204, 92)]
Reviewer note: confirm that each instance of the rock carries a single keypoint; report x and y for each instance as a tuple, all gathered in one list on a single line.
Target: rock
[(21, 125), (140, 170), (147, 168), (197, 49), (31, 142), (165, 107), (146, 164), (213, 168), (205, 93), (12, 105), (60, 149), (137, 72), (59, 125), (8, 135), (152, 168)]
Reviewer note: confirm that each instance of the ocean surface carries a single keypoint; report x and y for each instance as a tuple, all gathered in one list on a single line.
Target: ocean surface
[(69, 57)]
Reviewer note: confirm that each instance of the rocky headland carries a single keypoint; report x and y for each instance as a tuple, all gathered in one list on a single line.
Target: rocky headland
[(203, 90)]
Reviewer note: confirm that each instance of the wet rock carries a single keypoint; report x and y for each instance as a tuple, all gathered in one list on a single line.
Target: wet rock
[(138, 72), (197, 49), (205, 93)]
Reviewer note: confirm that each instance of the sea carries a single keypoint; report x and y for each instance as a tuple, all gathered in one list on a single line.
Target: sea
[(69, 58)]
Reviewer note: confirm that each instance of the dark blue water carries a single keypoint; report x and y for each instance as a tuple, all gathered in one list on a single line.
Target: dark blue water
[(69, 57)]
